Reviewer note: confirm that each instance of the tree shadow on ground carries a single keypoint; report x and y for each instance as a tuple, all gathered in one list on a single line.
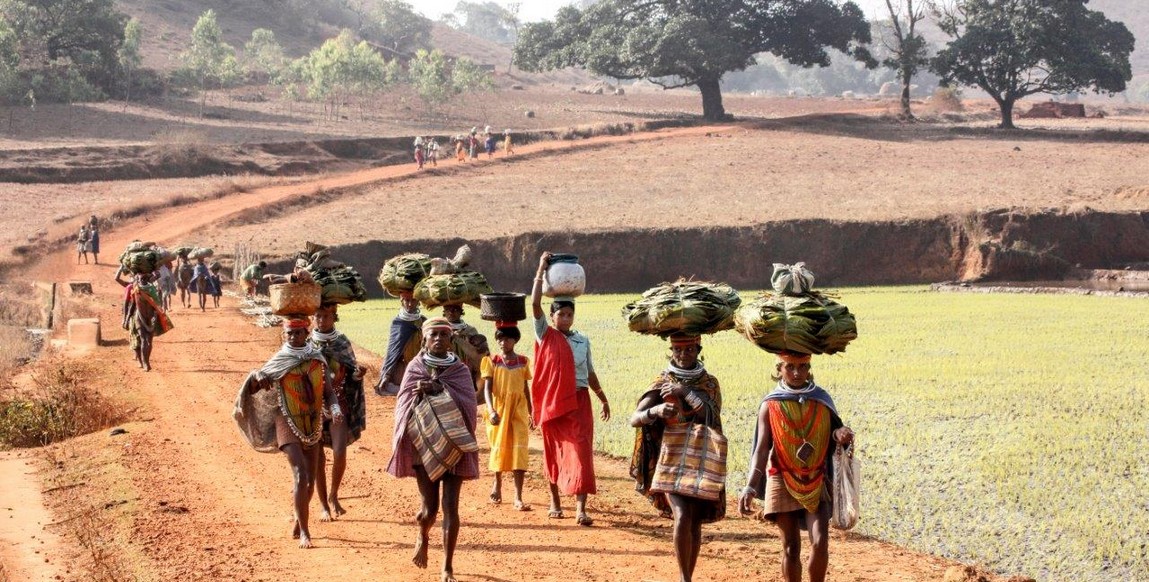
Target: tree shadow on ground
[(893, 130)]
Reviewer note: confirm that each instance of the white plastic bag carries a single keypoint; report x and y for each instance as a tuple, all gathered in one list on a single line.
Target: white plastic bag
[(847, 485), (793, 280)]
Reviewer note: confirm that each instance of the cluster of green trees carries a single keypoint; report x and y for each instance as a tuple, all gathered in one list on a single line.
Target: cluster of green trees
[(76, 50), (343, 70), (1008, 48), (63, 50)]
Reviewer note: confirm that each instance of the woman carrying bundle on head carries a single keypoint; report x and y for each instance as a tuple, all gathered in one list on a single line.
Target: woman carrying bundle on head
[(790, 469), (404, 342), (466, 341), (683, 395), (506, 380), (201, 282), (346, 376), (564, 377), (436, 373)]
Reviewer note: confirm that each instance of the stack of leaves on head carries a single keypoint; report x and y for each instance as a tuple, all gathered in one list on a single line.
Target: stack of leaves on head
[(340, 283), (143, 257), (449, 284), (689, 307), (400, 274), (796, 318)]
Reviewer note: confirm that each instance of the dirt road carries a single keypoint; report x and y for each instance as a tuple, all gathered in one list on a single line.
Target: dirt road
[(203, 506)]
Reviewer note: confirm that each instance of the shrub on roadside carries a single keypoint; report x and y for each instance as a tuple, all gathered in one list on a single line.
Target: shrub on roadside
[(947, 99), (60, 406)]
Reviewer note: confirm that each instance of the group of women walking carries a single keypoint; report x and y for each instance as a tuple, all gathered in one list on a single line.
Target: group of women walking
[(797, 428)]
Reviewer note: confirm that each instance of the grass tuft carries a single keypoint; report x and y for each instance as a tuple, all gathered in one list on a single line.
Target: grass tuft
[(60, 405)]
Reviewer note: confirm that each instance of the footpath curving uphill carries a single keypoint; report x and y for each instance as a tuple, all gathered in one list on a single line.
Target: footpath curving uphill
[(198, 504)]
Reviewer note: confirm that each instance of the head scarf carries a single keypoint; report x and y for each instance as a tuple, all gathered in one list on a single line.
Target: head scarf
[(437, 322), (296, 324), (794, 357)]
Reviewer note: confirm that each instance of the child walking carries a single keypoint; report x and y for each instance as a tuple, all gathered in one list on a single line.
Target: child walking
[(505, 378)]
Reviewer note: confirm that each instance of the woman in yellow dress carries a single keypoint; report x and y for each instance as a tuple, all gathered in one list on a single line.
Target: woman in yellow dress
[(505, 377)]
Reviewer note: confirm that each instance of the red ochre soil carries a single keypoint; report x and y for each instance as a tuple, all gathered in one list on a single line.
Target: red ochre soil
[(183, 452)]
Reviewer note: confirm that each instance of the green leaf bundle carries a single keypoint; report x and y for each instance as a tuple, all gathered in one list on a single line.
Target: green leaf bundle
[(140, 262), (691, 307), (402, 273), (453, 289), (340, 285), (808, 324)]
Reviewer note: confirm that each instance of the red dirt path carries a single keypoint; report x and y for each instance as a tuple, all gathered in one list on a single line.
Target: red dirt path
[(187, 453)]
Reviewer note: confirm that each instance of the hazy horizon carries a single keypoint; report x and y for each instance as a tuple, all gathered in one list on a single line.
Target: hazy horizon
[(535, 10)]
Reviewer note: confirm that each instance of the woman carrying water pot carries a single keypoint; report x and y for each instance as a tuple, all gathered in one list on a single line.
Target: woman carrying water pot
[(563, 380)]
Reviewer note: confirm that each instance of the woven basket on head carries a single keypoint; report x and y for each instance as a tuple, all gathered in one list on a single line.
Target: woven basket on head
[(503, 307), (295, 298)]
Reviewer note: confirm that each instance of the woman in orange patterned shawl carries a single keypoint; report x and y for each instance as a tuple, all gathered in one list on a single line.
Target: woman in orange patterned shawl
[(298, 374), (684, 392), (790, 468)]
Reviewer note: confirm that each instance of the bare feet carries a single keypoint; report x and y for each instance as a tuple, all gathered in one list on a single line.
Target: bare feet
[(555, 513), (337, 507), (295, 530), (584, 520), (496, 497), (448, 576), (520, 506), (304, 541), (325, 516), (420, 557)]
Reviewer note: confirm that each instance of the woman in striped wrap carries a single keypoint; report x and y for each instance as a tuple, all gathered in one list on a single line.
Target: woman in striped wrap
[(436, 369), (790, 468), (684, 392)]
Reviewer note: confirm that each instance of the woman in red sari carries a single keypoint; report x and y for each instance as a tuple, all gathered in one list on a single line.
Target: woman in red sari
[(564, 378)]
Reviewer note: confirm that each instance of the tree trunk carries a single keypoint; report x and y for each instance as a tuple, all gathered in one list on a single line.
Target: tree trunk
[(1006, 106), (906, 78), (711, 100)]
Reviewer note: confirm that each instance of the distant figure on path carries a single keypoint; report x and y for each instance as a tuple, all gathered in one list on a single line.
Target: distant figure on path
[(184, 274), (508, 148), (250, 278), (83, 239), (201, 282), (94, 243), (144, 317)]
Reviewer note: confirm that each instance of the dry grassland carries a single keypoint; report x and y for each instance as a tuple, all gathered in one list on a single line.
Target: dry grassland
[(861, 170), (38, 213), (233, 121)]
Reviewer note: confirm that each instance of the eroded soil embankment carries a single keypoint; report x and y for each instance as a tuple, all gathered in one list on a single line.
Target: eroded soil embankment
[(996, 245)]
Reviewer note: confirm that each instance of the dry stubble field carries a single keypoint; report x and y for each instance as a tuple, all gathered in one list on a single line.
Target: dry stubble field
[(859, 169)]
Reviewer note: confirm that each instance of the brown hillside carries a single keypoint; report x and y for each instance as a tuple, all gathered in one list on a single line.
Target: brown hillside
[(167, 28)]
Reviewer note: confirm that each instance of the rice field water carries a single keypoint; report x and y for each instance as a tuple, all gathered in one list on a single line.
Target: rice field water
[(1009, 430)]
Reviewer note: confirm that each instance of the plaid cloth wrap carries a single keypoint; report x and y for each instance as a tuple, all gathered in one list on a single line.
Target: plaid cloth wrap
[(691, 462), (437, 432)]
